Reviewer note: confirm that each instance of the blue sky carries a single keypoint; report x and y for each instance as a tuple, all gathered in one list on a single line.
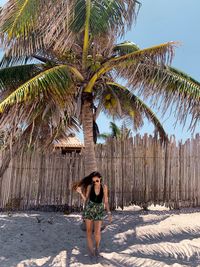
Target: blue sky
[(162, 21)]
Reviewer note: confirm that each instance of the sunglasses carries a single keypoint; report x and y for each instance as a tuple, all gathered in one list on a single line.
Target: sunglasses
[(96, 181)]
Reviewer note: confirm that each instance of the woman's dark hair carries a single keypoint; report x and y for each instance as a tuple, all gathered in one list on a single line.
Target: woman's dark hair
[(86, 181)]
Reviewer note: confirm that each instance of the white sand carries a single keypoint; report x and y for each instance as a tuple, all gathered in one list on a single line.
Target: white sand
[(136, 238)]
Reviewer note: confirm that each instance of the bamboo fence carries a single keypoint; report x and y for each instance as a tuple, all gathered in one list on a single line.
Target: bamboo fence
[(137, 171)]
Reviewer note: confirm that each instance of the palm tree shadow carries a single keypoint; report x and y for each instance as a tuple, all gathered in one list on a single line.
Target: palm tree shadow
[(121, 236)]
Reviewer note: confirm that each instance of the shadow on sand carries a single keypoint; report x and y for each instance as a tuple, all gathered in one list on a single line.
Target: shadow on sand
[(58, 240)]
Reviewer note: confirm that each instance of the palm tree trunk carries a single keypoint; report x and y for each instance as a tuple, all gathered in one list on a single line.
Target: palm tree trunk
[(87, 121)]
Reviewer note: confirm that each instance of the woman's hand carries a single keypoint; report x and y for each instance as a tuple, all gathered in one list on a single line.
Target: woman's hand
[(78, 190)]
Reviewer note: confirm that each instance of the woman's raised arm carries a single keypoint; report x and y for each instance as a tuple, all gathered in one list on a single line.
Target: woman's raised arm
[(86, 196)]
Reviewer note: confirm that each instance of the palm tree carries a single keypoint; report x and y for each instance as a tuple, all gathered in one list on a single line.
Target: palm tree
[(116, 132), (62, 66)]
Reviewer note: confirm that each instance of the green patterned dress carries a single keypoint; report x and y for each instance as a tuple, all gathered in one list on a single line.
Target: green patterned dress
[(94, 209)]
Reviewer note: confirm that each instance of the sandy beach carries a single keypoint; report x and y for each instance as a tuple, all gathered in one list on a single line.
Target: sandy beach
[(158, 237)]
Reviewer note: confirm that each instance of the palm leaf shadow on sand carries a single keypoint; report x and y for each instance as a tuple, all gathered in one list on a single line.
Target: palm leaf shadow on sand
[(173, 246)]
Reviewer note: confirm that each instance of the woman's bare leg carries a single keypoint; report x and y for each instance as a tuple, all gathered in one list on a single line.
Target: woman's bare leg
[(89, 228), (97, 233)]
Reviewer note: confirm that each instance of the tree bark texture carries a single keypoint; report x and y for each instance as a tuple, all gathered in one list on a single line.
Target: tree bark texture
[(89, 151)]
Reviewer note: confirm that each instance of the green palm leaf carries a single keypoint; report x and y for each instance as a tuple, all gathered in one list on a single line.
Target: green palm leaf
[(20, 17), (105, 15), (115, 130), (162, 53), (133, 109), (12, 77), (54, 81)]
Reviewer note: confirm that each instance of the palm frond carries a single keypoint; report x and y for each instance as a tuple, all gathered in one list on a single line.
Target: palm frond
[(173, 88), (78, 16), (54, 81), (115, 130), (8, 60), (38, 123), (162, 54), (133, 109), (51, 125), (86, 33), (124, 65), (109, 20), (18, 17), (12, 77), (151, 116), (112, 15), (105, 16), (41, 136), (183, 82), (104, 136), (28, 26)]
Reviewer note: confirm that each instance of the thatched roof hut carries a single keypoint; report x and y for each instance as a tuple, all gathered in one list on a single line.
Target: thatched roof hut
[(69, 144)]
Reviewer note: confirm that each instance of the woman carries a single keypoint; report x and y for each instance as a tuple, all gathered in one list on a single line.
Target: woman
[(95, 197)]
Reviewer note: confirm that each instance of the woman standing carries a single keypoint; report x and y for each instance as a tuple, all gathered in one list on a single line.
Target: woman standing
[(95, 197)]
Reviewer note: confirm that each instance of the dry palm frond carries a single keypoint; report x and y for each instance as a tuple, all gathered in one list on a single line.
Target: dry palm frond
[(28, 26), (124, 65), (160, 54), (36, 132), (48, 57), (172, 88), (40, 123)]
